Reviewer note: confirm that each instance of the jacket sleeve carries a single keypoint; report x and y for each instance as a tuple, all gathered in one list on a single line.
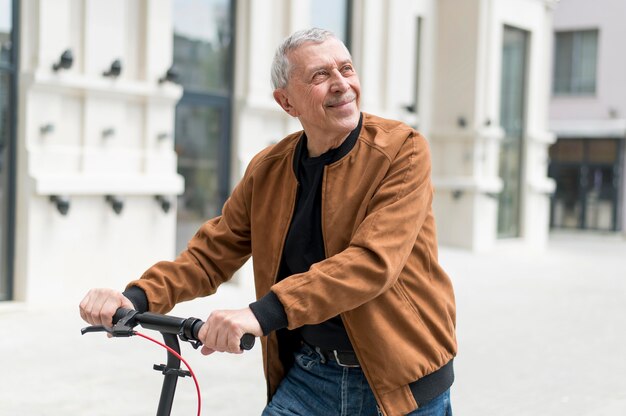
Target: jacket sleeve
[(218, 249), (377, 251)]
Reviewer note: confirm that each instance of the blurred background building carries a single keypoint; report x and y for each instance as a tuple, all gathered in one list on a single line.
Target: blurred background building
[(125, 123), (588, 115)]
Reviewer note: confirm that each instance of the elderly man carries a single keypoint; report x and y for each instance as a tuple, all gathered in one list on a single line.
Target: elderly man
[(355, 313)]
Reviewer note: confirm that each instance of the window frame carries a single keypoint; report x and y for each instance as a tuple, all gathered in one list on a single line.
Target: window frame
[(573, 83), (7, 226)]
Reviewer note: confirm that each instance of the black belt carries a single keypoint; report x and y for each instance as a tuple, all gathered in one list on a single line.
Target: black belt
[(342, 358)]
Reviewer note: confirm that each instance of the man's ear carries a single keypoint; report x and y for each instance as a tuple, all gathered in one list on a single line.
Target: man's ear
[(280, 95)]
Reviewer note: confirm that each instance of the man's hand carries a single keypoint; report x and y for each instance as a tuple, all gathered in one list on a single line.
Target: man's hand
[(223, 330), (99, 305)]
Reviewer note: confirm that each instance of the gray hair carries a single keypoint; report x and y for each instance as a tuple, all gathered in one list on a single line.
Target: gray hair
[(281, 67)]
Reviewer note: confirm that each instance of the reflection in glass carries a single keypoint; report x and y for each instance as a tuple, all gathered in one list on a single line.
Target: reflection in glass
[(571, 150), (5, 85), (586, 172), (202, 55), (6, 77), (512, 103), (603, 151), (4, 111), (197, 140), (566, 204), (202, 42), (332, 15), (575, 61), (599, 201), (5, 31)]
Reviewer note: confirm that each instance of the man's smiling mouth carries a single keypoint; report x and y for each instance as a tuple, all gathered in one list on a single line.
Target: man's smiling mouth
[(342, 101)]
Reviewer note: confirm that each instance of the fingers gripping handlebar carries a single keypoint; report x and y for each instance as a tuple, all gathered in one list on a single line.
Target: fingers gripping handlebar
[(172, 329), (187, 329)]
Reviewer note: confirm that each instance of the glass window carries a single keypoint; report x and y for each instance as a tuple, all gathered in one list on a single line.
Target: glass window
[(7, 116), (5, 88), (575, 62), (333, 15), (202, 44), (5, 85), (5, 31), (512, 119), (567, 204), (603, 151), (570, 150), (197, 136), (586, 172), (203, 54)]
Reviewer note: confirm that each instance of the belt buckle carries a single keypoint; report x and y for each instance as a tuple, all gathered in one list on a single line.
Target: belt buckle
[(343, 364)]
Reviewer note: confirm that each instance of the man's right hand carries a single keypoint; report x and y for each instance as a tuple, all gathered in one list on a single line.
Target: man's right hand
[(99, 305)]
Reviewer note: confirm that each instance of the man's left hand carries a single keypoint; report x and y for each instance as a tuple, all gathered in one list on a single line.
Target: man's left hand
[(223, 330)]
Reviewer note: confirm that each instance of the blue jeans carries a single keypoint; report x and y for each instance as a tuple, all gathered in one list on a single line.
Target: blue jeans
[(316, 388)]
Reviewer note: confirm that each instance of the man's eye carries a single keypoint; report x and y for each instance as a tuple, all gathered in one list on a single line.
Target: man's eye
[(320, 75), (347, 69)]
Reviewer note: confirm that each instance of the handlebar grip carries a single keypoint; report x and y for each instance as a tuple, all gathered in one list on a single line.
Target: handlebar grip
[(120, 313), (196, 328), (246, 343)]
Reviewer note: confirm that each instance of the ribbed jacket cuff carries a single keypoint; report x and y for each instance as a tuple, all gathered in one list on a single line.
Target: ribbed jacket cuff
[(138, 297), (270, 313)]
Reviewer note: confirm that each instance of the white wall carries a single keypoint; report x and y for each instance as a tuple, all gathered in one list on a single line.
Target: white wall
[(467, 86), (59, 256), (607, 16)]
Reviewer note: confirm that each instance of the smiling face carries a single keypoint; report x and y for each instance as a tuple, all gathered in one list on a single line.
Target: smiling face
[(323, 90)]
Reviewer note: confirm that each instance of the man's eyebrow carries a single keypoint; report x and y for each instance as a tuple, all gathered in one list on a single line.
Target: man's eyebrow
[(316, 68)]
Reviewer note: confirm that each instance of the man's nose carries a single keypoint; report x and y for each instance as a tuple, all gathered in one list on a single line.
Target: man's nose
[(339, 82)]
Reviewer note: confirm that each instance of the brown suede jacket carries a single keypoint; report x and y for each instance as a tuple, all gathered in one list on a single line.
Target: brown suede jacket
[(381, 273)]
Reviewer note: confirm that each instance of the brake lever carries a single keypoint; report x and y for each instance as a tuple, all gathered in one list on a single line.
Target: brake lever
[(116, 331), (194, 344), (123, 327), (95, 328)]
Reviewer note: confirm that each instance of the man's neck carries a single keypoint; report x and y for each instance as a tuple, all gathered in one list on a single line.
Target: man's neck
[(319, 145)]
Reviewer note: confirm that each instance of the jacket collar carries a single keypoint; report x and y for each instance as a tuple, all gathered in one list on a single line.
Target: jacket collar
[(339, 152)]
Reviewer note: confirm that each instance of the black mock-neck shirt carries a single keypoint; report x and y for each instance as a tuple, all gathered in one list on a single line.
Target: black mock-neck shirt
[(304, 245)]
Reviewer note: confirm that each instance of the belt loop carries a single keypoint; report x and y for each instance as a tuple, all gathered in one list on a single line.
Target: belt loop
[(321, 354)]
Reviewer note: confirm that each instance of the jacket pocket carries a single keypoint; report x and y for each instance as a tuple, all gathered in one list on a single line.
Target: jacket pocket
[(407, 300)]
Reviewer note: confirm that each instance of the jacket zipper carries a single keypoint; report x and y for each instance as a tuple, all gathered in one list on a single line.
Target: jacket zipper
[(343, 319), (322, 219), (282, 246)]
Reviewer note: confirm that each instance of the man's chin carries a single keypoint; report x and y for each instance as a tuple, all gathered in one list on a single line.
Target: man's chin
[(348, 112), (350, 121)]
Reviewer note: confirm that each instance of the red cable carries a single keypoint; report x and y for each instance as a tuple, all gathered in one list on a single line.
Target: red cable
[(177, 355)]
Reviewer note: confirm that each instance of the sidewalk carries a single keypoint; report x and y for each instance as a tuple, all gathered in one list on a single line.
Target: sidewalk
[(539, 334), (542, 333)]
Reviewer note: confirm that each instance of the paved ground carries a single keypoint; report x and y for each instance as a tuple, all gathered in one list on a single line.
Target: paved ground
[(539, 333)]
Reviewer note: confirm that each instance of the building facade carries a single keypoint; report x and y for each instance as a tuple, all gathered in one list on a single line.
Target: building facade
[(488, 125), (130, 121), (588, 115)]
